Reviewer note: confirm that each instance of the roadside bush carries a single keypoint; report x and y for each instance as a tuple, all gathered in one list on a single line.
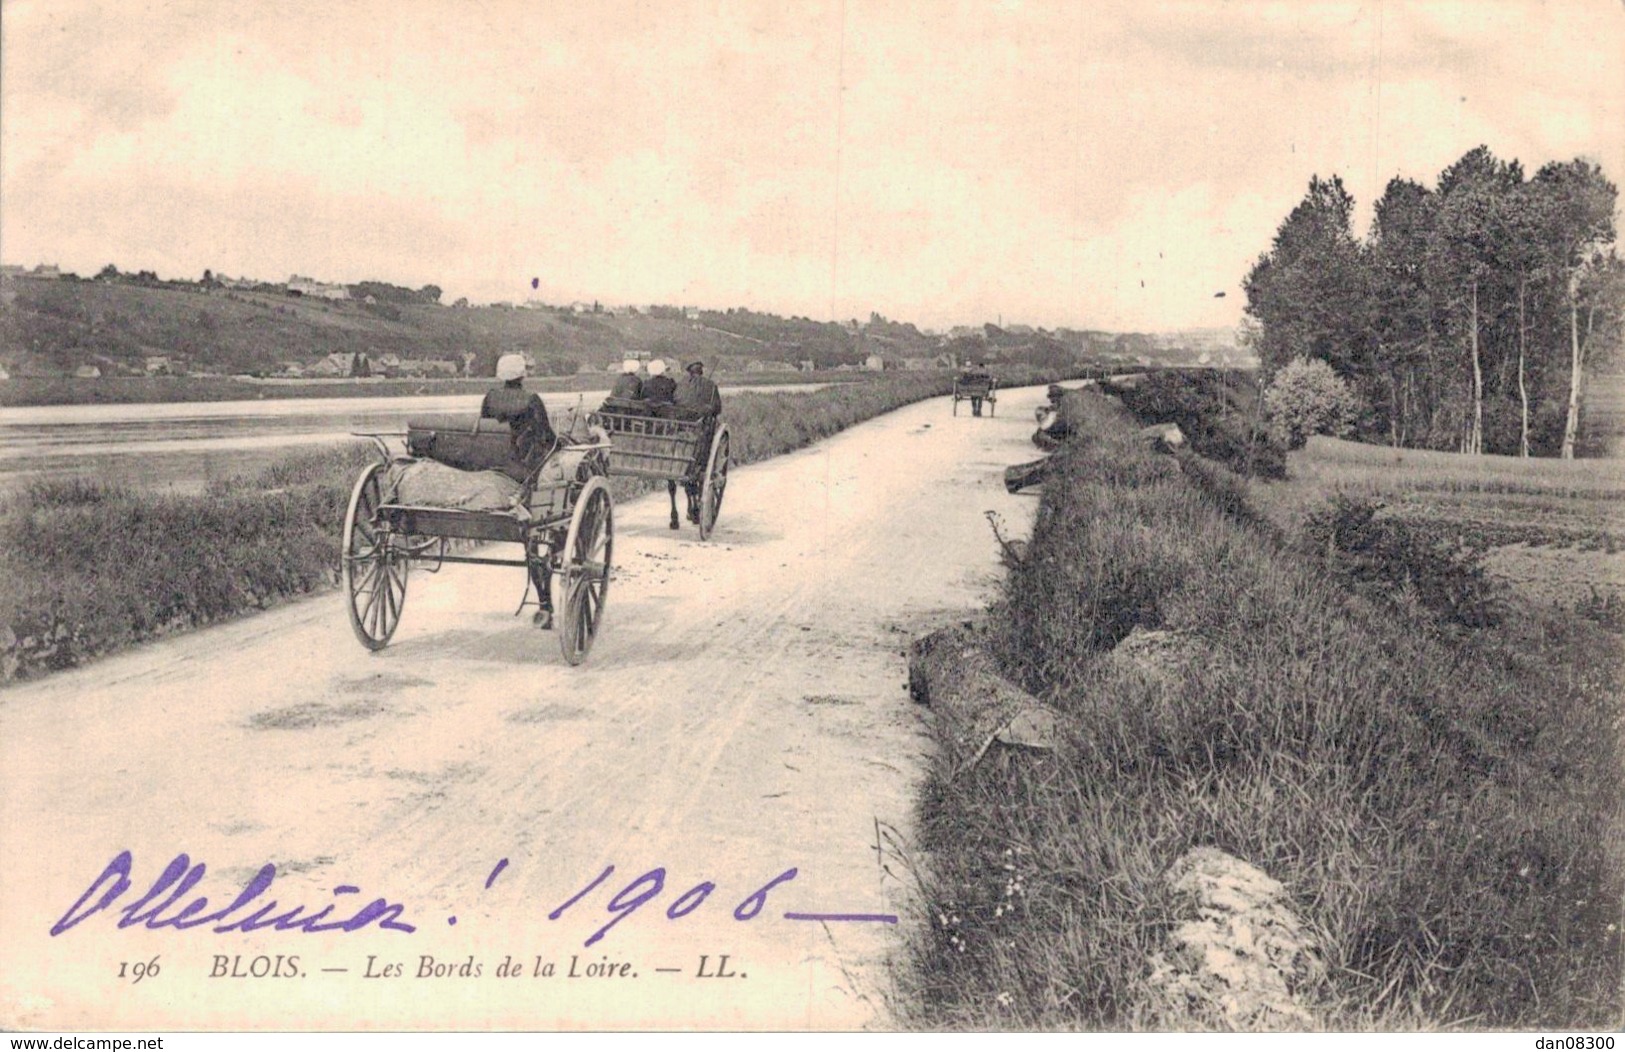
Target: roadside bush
[(1386, 558), (1216, 412), (1308, 398)]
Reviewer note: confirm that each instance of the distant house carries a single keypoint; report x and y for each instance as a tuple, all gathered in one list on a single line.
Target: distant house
[(876, 363), (768, 365), (327, 367), (387, 361), (691, 313), (293, 369), (87, 372), (4, 375), (12, 270), (47, 270), (319, 289), (1019, 330), (159, 364), (806, 365)]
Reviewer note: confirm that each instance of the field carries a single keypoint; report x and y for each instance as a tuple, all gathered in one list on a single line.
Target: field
[(1436, 781), (1553, 530)]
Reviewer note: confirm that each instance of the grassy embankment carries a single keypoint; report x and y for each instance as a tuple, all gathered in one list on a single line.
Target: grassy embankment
[(92, 568), (1441, 802)]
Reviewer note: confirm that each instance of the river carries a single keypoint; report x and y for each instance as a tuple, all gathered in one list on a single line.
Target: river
[(183, 445)]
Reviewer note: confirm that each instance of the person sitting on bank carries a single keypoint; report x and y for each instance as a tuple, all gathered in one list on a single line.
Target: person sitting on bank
[(532, 441), (628, 387), (659, 389)]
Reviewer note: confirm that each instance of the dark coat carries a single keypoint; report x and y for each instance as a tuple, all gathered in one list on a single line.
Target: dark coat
[(660, 389), (698, 394), (627, 386), (526, 417)]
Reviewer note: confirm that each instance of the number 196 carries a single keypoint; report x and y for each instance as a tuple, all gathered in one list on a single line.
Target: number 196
[(135, 971)]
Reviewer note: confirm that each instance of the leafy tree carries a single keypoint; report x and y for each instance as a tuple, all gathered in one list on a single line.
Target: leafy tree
[(1310, 292), (1409, 399), (1578, 219), (1467, 258)]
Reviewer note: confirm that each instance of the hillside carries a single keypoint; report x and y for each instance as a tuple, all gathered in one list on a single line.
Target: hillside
[(138, 326)]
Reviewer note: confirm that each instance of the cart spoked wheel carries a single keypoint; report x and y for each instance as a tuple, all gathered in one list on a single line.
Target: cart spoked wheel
[(375, 563), (716, 481), (584, 570)]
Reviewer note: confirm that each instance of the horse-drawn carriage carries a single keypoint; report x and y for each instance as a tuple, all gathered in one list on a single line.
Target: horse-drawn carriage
[(662, 444), (405, 508), (978, 388)]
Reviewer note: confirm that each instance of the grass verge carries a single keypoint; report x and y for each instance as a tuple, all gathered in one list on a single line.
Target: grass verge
[(91, 568), (1439, 805)]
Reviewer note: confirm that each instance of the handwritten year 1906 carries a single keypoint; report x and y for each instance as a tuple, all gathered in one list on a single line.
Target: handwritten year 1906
[(160, 907)]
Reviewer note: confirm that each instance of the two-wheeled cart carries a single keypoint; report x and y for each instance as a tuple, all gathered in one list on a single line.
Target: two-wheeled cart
[(563, 524), (679, 450), (977, 389)]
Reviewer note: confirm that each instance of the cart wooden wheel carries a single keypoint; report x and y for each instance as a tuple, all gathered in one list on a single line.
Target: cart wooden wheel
[(375, 563), (716, 481), (584, 570)]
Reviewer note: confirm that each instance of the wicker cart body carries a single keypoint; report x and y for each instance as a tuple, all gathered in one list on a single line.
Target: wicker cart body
[(693, 453)]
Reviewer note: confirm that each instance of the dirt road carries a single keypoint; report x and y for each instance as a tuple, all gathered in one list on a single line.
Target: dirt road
[(743, 713)]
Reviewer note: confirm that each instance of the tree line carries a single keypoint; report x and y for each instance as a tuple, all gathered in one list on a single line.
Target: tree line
[(1469, 316)]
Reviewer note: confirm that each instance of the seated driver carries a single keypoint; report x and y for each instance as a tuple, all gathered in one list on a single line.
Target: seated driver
[(628, 387), (659, 389), (532, 441), (697, 397)]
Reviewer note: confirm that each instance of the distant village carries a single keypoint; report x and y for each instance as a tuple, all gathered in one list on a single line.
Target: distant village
[(755, 342)]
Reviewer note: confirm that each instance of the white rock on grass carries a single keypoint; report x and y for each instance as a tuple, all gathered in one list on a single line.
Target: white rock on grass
[(1239, 959)]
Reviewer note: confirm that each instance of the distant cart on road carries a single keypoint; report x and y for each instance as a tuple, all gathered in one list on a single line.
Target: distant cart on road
[(977, 389), (693, 452)]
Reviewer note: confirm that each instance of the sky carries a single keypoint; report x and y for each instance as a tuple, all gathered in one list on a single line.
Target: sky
[(1087, 164)]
